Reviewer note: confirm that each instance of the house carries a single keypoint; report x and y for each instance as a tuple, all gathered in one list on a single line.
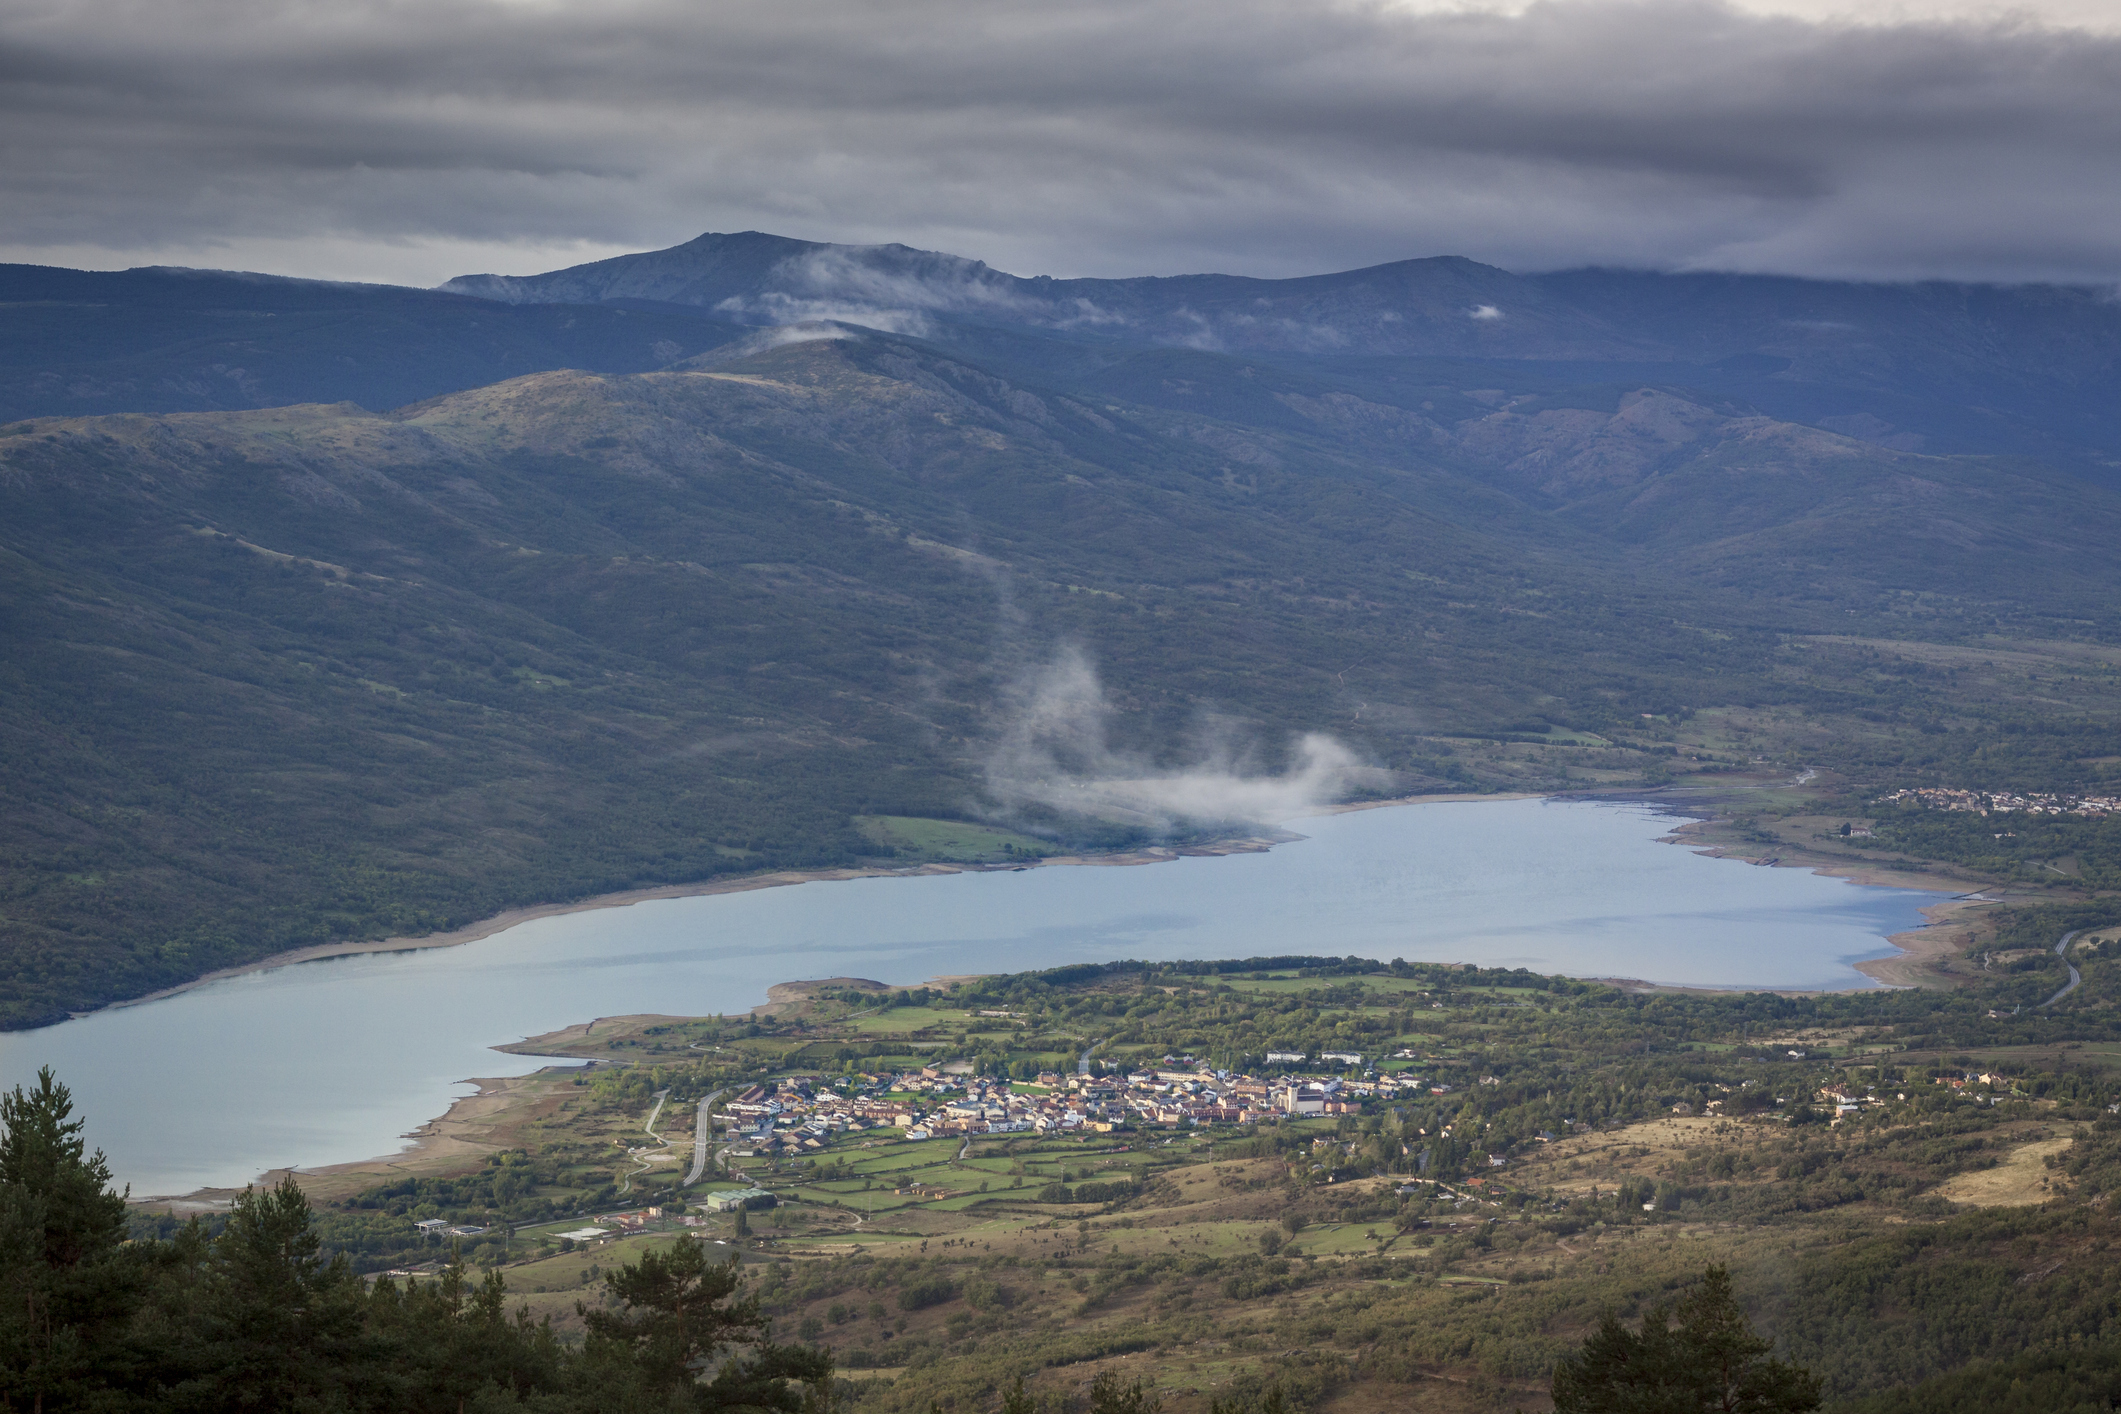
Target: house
[(732, 1198)]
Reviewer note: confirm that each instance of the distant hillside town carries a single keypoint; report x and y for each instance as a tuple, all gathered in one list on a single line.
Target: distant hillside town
[(802, 1113), (2005, 802)]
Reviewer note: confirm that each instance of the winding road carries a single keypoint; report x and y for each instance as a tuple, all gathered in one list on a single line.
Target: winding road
[(2075, 977), (648, 1128)]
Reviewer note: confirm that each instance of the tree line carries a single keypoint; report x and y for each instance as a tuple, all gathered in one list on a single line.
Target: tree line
[(259, 1318)]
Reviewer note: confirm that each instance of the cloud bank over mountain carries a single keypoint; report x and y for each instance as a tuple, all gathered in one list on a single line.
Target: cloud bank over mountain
[(1101, 137)]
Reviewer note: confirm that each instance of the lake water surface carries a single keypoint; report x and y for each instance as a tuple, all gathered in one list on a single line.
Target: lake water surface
[(335, 1060)]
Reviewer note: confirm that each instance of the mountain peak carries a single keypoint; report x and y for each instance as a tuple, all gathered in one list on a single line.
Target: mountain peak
[(1437, 304)]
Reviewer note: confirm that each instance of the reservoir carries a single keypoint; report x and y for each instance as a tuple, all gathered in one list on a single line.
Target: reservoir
[(332, 1061)]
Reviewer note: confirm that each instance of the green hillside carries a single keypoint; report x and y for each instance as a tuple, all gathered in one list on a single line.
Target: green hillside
[(284, 676)]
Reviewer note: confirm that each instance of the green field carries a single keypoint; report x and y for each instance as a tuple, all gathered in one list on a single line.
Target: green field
[(949, 841), (906, 1020), (1283, 986)]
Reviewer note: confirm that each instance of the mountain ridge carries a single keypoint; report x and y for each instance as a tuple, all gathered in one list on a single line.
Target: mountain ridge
[(2043, 352)]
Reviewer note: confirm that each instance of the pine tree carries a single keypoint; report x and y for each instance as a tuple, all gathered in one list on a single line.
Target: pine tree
[(681, 1317), (1711, 1360), (274, 1323), (66, 1289)]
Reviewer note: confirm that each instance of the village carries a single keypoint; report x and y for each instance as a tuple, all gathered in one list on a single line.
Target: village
[(2005, 802), (803, 1113)]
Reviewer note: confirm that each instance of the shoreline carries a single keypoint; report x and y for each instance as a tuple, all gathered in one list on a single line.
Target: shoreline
[(445, 1137), (1263, 840), (463, 1131), (1921, 953)]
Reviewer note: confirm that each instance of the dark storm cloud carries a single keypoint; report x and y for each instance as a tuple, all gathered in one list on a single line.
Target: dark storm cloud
[(1079, 138)]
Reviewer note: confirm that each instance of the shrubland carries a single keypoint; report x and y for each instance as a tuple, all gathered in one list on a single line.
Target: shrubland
[(1916, 1207)]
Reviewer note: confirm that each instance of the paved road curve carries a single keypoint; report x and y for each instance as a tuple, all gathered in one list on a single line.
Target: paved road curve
[(702, 1137), (2075, 977)]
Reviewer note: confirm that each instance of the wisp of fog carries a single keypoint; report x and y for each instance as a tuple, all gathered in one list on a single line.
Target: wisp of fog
[(1056, 751)]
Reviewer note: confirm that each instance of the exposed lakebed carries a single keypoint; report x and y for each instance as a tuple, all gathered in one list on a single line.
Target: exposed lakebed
[(335, 1060)]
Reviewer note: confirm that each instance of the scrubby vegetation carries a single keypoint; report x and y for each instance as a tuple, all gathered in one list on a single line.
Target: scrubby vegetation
[(1908, 1190)]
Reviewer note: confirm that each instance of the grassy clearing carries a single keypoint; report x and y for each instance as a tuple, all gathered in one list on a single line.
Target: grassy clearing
[(2020, 1181), (1284, 985), (949, 841), (908, 1020)]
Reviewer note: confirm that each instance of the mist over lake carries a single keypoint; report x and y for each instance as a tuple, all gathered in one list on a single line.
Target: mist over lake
[(332, 1061)]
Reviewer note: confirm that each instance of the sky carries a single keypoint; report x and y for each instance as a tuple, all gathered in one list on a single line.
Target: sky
[(408, 141)]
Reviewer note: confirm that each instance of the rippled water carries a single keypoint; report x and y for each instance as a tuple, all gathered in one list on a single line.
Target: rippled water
[(331, 1061)]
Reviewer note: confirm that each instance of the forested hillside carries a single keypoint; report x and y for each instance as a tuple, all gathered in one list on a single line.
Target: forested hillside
[(291, 675)]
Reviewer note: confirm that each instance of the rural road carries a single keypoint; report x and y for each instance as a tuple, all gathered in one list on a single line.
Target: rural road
[(2075, 977), (702, 1137), (649, 1129)]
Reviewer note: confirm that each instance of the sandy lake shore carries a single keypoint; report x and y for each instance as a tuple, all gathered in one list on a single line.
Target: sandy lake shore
[(1924, 953)]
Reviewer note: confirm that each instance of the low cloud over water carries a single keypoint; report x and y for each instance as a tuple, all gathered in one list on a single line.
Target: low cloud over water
[(1056, 752)]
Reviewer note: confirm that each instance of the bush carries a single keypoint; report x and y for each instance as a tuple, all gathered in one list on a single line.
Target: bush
[(921, 1295)]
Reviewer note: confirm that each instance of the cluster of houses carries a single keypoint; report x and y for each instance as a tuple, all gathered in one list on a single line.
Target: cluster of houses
[(804, 1113), (2005, 802), (1985, 1086)]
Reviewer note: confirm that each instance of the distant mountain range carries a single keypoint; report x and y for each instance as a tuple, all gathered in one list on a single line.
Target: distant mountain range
[(80, 342), (1933, 366), (1952, 368), (348, 610)]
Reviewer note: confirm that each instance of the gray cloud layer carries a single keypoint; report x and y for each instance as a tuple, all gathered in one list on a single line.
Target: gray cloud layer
[(1086, 137)]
